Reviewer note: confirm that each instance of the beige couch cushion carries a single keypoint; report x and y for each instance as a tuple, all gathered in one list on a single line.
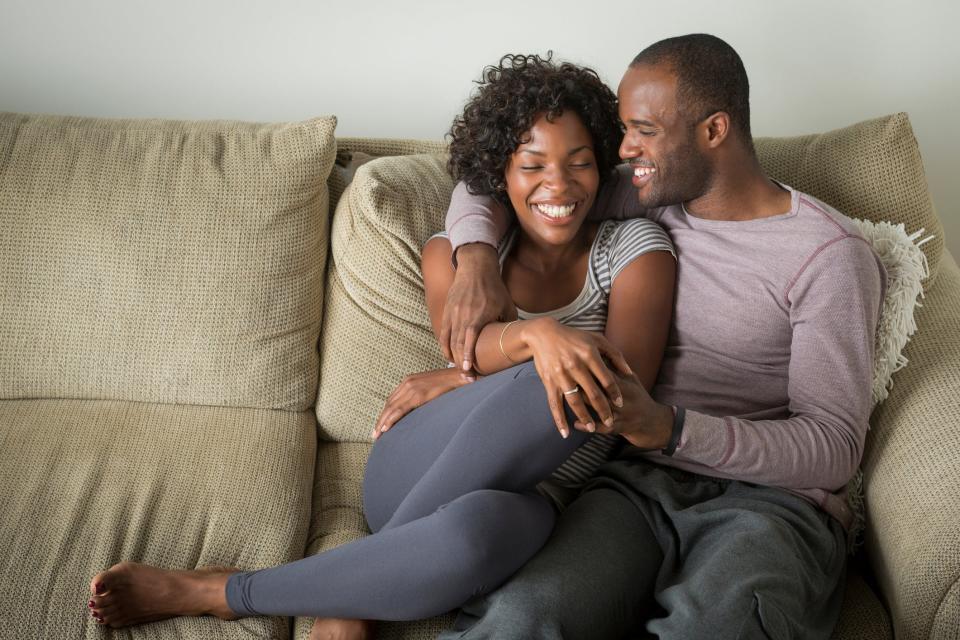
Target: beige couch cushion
[(375, 327), (89, 483), (162, 261)]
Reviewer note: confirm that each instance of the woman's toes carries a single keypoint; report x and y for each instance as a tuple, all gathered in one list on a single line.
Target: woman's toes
[(97, 585)]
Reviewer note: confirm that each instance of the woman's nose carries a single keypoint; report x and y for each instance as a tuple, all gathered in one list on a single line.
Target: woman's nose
[(557, 178)]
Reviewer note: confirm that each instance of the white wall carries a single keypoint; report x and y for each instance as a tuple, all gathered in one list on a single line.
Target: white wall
[(403, 69)]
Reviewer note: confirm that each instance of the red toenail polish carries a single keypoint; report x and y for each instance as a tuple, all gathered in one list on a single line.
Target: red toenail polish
[(100, 588)]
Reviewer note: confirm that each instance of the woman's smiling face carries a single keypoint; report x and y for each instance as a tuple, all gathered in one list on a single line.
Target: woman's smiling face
[(552, 178)]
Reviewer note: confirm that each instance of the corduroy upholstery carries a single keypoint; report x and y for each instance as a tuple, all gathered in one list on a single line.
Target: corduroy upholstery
[(376, 330)]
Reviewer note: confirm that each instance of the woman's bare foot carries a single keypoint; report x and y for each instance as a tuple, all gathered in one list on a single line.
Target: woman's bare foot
[(130, 593), (341, 629)]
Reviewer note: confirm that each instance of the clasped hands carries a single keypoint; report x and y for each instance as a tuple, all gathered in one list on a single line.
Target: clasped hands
[(605, 400)]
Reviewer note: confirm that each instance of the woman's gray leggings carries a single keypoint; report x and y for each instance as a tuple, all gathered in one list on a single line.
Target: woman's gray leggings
[(449, 496)]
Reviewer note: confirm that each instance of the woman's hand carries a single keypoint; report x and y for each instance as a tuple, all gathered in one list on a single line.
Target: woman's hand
[(415, 390), (476, 297), (571, 365)]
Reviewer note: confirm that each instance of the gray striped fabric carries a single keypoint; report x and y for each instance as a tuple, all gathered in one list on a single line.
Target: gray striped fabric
[(616, 244)]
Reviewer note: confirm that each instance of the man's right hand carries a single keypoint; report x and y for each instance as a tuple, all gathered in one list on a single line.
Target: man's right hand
[(476, 298)]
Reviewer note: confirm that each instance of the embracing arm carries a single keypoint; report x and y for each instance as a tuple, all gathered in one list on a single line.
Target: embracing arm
[(564, 357), (476, 295), (834, 309), (481, 219)]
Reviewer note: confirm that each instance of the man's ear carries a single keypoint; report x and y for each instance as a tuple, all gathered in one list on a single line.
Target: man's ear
[(716, 128)]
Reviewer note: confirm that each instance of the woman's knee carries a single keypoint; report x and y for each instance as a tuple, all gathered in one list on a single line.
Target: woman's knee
[(494, 533)]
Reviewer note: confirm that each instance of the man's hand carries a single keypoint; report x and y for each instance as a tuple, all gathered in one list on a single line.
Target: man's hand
[(571, 365), (476, 298), (415, 390), (644, 423)]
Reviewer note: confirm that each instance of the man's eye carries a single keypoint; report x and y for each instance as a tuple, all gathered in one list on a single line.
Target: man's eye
[(648, 133), (582, 165), (530, 168)]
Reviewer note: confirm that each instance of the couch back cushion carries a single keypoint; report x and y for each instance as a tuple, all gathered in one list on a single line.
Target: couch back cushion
[(162, 261), (376, 328)]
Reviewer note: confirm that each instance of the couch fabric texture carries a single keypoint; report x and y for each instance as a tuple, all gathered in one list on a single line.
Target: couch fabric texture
[(204, 241), (161, 287), (165, 370)]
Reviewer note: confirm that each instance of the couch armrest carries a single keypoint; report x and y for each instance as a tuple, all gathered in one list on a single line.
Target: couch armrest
[(912, 473)]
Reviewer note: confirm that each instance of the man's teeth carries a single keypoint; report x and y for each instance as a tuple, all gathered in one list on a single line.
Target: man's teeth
[(643, 171), (557, 210)]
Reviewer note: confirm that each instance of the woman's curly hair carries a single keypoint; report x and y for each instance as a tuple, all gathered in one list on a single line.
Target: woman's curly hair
[(510, 97)]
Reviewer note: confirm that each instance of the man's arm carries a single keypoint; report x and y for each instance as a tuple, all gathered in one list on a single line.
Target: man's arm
[(478, 218), (834, 308)]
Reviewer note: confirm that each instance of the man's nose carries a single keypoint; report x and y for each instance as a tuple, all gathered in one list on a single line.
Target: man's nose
[(629, 148)]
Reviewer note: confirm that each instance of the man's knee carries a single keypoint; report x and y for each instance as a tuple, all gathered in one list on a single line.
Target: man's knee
[(517, 611)]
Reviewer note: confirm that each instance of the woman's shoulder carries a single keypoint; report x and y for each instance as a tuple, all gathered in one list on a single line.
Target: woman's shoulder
[(634, 234)]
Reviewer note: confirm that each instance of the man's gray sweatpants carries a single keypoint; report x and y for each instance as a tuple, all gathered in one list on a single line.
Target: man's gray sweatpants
[(648, 551), (449, 496)]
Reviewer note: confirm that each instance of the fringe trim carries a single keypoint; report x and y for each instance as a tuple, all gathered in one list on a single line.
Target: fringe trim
[(906, 267)]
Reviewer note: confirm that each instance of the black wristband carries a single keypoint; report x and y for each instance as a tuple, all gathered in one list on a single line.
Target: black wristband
[(679, 414)]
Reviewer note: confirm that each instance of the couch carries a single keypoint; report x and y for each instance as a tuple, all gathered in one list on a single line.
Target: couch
[(199, 322)]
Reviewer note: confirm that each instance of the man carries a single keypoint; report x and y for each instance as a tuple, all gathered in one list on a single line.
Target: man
[(726, 517)]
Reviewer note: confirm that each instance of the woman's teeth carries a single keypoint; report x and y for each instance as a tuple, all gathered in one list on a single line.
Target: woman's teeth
[(557, 210), (643, 171)]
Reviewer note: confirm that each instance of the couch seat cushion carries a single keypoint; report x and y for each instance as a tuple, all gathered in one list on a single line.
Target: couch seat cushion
[(87, 484)]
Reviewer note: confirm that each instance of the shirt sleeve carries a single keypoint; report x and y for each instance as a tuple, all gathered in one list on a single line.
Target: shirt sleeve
[(480, 218), (834, 305), (631, 240)]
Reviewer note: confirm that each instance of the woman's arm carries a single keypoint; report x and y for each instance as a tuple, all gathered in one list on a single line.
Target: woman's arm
[(565, 357), (640, 310)]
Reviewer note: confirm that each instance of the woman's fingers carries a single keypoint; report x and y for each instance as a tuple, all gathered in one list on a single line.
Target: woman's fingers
[(591, 394), (555, 400), (389, 420), (573, 396)]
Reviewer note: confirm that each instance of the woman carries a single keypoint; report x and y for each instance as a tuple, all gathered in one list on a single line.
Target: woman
[(456, 492)]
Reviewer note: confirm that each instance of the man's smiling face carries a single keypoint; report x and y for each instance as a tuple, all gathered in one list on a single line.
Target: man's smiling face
[(660, 142)]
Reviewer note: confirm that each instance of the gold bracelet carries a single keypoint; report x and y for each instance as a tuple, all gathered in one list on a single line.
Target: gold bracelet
[(502, 333)]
